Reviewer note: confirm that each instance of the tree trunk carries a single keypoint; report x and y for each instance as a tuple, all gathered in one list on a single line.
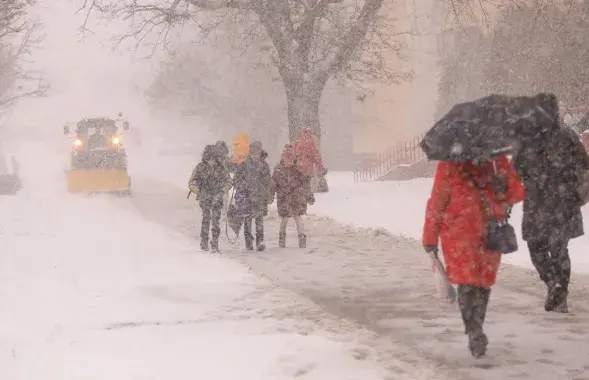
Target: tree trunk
[(303, 107)]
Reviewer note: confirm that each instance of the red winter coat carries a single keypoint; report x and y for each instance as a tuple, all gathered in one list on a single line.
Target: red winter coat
[(306, 153), (456, 216), (291, 194)]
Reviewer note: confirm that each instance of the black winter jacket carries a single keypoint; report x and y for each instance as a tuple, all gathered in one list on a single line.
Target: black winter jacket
[(211, 178), (549, 165), (254, 180)]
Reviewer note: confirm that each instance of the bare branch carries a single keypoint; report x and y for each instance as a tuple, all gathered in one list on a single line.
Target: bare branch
[(465, 13), (534, 48), (18, 37), (306, 41), (213, 5), (352, 39)]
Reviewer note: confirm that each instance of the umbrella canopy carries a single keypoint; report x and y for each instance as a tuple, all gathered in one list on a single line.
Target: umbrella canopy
[(482, 128)]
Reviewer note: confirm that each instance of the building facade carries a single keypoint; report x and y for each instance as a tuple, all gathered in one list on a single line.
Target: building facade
[(392, 113), (401, 112)]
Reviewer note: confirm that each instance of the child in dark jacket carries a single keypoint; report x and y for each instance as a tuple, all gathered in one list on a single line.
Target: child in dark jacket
[(211, 181), (253, 182), (290, 186)]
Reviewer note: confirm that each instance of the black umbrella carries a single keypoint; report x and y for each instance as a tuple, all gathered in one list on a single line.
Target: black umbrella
[(481, 129)]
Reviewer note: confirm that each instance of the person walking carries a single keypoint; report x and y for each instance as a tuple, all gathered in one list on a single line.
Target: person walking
[(289, 186), (551, 161), (464, 199), (210, 181), (252, 181)]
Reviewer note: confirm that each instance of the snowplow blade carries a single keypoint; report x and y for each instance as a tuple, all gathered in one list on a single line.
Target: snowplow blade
[(97, 181)]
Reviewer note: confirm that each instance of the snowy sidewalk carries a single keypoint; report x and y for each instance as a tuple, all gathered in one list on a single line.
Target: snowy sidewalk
[(383, 283), (89, 291), (399, 206)]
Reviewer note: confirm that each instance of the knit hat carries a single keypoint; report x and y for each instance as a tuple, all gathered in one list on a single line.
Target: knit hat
[(288, 155), (256, 146), (222, 146)]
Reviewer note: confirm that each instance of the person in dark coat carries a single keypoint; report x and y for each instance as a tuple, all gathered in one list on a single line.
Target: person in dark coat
[(212, 181), (289, 185), (224, 152), (549, 162), (252, 180)]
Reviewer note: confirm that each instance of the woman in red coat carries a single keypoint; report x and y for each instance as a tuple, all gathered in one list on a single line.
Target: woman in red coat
[(291, 195), (456, 215)]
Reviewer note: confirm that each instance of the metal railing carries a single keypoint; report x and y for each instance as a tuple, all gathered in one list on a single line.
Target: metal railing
[(374, 166)]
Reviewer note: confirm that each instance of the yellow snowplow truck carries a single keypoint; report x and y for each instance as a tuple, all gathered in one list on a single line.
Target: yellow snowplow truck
[(98, 160)]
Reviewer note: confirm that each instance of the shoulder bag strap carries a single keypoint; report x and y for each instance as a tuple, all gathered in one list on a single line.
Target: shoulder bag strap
[(486, 205)]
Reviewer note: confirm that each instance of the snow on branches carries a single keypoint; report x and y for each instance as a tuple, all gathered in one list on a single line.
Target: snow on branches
[(18, 36), (313, 40)]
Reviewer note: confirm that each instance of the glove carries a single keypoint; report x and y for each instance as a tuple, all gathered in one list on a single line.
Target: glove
[(431, 249), (499, 184)]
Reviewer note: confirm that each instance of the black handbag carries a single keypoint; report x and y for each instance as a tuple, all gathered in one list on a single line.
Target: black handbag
[(501, 237)]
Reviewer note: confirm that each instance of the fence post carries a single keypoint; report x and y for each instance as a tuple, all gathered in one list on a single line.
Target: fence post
[(378, 166)]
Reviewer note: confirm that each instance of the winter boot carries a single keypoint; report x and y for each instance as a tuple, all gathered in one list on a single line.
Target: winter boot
[(553, 290), (214, 246), (260, 246), (249, 245), (302, 241), (560, 301), (282, 239), (477, 343), (204, 244)]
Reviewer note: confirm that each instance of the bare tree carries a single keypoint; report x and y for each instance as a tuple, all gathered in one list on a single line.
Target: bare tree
[(230, 95), (528, 50), (18, 37), (312, 40), (461, 13)]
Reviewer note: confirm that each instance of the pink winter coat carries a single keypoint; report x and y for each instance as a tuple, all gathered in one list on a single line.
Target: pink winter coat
[(306, 153)]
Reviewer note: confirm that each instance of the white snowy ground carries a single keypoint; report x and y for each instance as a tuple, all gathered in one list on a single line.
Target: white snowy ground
[(382, 282), (106, 287), (91, 289)]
